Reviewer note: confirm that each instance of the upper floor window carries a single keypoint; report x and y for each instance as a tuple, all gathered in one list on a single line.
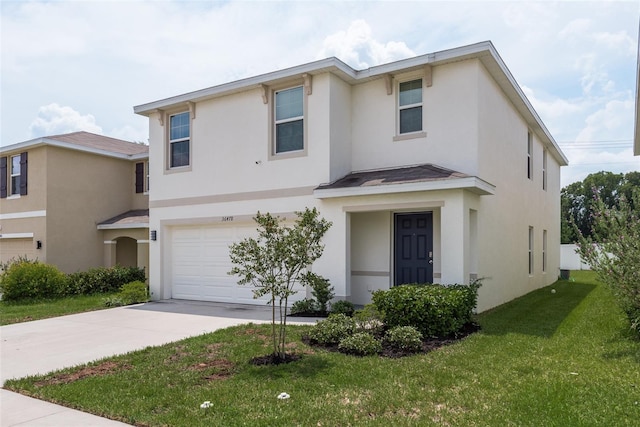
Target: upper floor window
[(410, 106), (13, 175), (289, 120), (529, 155), (179, 140), (544, 170), (142, 177)]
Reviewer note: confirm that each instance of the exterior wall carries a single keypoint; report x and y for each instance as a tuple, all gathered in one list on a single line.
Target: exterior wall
[(504, 219), (450, 119), (340, 128), (26, 214), (83, 190), (232, 157)]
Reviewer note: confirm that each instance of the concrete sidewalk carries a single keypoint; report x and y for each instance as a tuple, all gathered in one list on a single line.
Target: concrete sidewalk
[(42, 346)]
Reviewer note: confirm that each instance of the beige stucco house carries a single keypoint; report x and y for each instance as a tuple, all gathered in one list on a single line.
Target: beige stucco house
[(77, 201), (432, 169)]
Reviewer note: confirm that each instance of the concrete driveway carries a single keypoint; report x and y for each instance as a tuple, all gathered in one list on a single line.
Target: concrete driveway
[(42, 346)]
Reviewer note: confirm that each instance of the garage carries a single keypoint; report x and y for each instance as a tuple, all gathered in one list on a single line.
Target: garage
[(200, 263)]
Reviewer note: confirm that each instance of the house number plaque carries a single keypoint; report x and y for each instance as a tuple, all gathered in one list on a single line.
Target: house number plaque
[(227, 218)]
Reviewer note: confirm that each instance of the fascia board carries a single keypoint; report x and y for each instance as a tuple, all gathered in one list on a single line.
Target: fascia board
[(39, 142), (329, 64), (123, 226), (472, 184)]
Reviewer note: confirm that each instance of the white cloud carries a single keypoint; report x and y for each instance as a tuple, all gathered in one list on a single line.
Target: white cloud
[(357, 47), (54, 119)]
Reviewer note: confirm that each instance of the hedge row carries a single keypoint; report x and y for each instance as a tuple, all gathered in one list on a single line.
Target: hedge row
[(434, 310), (27, 279)]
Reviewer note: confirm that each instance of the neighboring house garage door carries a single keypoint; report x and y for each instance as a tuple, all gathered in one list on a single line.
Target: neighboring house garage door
[(200, 263), (14, 248)]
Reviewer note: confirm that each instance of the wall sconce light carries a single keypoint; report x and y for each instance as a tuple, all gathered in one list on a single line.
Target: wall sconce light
[(39, 244), (153, 235)]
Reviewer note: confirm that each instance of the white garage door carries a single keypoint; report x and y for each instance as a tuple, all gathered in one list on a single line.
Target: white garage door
[(200, 263)]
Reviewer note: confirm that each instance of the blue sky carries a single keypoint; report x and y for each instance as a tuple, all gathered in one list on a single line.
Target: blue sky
[(83, 65)]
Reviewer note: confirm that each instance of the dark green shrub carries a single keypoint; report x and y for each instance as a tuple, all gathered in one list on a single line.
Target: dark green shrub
[(405, 338), (434, 310), (360, 344), (102, 280), (24, 279), (369, 319), (321, 289), (332, 330), (342, 307), (306, 305)]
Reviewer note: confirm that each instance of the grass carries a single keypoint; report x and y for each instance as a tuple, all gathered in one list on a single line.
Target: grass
[(24, 311), (552, 359)]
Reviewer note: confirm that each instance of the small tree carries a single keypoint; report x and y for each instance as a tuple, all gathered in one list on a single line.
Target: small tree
[(613, 251), (274, 261)]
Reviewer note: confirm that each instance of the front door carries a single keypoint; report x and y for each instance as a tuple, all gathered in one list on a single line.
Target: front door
[(414, 248)]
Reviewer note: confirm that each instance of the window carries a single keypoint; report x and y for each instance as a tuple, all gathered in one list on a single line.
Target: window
[(142, 177), (289, 120), (530, 251), (13, 175), (544, 251), (410, 106), (529, 155), (544, 170), (179, 140)]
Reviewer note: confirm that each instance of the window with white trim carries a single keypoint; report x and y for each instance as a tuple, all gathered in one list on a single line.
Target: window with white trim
[(410, 106), (529, 155), (544, 170), (14, 186), (530, 251), (179, 140), (544, 251), (289, 120)]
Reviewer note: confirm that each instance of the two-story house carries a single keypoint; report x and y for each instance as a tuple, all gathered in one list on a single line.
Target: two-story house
[(77, 201), (432, 169)]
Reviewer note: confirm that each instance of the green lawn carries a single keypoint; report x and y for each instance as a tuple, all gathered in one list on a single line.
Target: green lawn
[(16, 312), (546, 359)]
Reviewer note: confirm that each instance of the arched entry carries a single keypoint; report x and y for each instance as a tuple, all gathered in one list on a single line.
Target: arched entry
[(126, 252)]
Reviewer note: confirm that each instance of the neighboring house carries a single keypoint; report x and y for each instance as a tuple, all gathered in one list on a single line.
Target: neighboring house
[(76, 201), (432, 169)]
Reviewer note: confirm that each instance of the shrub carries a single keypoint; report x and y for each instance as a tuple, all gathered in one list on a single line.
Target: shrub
[(360, 344), (102, 280), (369, 319), (434, 310), (306, 305), (342, 307), (321, 289), (130, 293), (134, 292), (405, 338), (23, 279), (332, 330)]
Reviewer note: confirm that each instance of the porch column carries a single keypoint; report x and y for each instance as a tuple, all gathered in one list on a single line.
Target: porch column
[(143, 256), (454, 219), (334, 264), (109, 256)]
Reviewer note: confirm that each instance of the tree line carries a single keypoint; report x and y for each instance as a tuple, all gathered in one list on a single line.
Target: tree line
[(579, 199)]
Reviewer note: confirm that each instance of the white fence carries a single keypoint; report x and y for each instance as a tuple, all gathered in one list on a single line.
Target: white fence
[(570, 260)]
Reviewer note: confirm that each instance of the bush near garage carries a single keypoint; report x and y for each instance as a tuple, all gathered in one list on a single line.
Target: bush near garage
[(102, 280), (434, 310), (130, 293), (28, 279)]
